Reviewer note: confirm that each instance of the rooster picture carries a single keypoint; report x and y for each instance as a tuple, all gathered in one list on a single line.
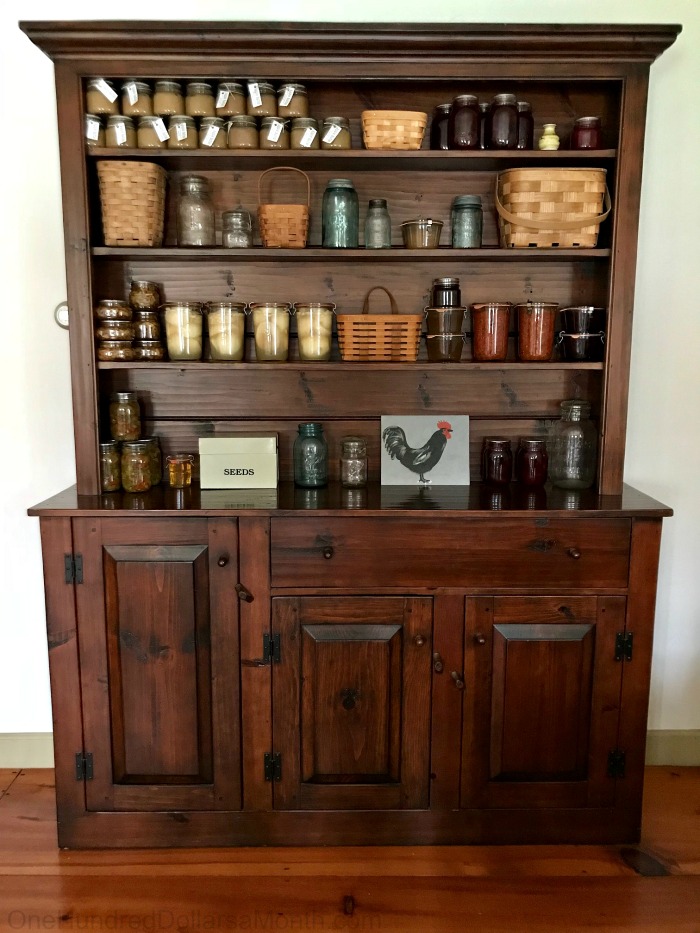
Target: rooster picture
[(420, 460)]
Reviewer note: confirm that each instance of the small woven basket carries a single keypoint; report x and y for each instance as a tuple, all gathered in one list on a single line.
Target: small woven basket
[(132, 195), (284, 225), (551, 207), (393, 129), (374, 338)]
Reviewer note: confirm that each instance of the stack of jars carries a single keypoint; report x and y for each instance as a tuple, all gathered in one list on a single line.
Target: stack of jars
[(145, 300), (114, 331), (128, 461), (466, 123), (444, 321)]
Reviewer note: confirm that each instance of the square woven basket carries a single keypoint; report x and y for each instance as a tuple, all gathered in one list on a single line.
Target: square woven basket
[(284, 225), (366, 337), (132, 196), (393, 129)]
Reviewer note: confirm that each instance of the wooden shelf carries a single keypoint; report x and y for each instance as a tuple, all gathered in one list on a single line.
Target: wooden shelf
[(298, 366), (317, 254)]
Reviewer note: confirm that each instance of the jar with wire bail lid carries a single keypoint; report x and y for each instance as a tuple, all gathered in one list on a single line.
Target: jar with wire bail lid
[(226, 327)]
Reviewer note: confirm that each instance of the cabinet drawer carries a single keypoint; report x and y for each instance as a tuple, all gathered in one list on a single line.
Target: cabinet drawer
[(418, 552)]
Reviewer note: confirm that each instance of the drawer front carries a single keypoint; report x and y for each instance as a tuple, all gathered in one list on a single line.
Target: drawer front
[(425, 552)]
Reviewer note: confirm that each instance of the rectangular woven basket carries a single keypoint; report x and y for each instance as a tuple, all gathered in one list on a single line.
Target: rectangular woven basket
[(375, 338), (551, 207), (284, 225), (132, 196), (393, 129)]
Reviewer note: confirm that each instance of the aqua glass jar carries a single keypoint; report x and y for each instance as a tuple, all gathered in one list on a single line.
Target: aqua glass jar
[(310, 456), (467, 221), (573, 447), (341, 215), (378, 225)]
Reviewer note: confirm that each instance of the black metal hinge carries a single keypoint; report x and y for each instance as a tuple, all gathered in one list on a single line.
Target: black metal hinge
[(73, 564), (273, 767), (623, 646), (271, 649), (616, 763), (83, 766)]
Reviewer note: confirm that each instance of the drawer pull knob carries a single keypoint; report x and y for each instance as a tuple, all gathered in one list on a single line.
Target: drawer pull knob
[(222, 561), (438, 666), (573, 552), (419, 641), (458, 679), (479, 639), (328, 552), (243, 594)]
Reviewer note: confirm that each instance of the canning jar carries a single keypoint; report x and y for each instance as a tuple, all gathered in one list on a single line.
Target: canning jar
[(531, 461), (310, 456), (144, 295), (136, 466), (180, 470), (490, 322), (504, 122), (121, 131), (146, 325), (94, 131), (439, 131), (155, 460), (464, 123), (195, 213), (183, 329), (274, 133), (167, 98), (485, 128), (211, 133), (335, 133), (124, 416), (230, 99), (340, 215), (292, 100), (237, 229), (226, 327), (586, 133), (182, 132), (377, 225), (152, 133), (536, 325), (101, 98), (137, 99), (573, 446), (243, 133), (496, 461), (445, 293), (115, 330), (304, 133), (526, 126), (115, 351), (467, 221), (148, 351), (353, 462), (110, 467), (261, 100), (199, 99), (314, 329), (112, 309), (271, 331)]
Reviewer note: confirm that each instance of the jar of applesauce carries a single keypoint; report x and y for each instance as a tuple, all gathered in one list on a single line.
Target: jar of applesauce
[(101, 98), (304, 134), (261, 100), (137, 99), (167, 98), (230, 99), (292, 101), (199, 101), (243, 133), (94, 131), (151, 133), (211, 133), (335, 133), (274, 133), (120, 132), (182, 132)]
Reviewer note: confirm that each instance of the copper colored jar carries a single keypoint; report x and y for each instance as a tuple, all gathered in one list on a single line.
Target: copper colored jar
[(531, 461), (496, 461), (586, 134), (464, 124), (243, 133), (490, 323), (536, 325), (526, 126)]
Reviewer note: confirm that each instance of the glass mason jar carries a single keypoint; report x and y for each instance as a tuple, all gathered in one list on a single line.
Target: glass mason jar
[(155, 459), (124, 416), (261, 100), (464, 123), (531, 461), (573, 447), (115, 351), (485, 129), (340, 215), (243, 133), (183, 329), (151, 133), (304, 133), (445, 293), (115, 330), (467, 221), (149, 351), (353, 462), (195, 213), (377, 225), (226, 327), (101, 98), (179, 470), (504, 122), (182, 132), (335, 133), (314, 330), (271, 331), (112, 309), (439, 134), (230, 99), (292, 100), (490, 323), (526, 126), (146, 325), (144, 296), (94, 131), (496, 461), (120, 132), (237, 229), (274, 133), (199, 99), (310, 456), (110, 467), (167, 98), (212, 134), (586, 134), (536, 326), (137, 99), (136, 466)]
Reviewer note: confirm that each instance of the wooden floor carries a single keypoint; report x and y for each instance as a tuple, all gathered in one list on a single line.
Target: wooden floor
[(546, 889)]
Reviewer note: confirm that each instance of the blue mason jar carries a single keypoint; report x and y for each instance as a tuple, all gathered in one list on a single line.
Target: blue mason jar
[(341, 215), (467, 221), (310, 456)]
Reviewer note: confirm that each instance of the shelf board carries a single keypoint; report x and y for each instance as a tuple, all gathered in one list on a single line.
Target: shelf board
[(298, 366)]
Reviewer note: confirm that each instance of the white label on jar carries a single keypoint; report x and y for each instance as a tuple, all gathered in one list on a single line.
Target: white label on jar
[(307, 138), (275, 131), (180, 131), (254, 91), (132, 92), (106, 90), (222, 98), (92, 130), (161, 131), (331, 133), (286, 98), (120, 133), (210, 135)]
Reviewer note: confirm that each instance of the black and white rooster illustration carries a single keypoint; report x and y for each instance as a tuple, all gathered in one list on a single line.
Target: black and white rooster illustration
[(420, 460)]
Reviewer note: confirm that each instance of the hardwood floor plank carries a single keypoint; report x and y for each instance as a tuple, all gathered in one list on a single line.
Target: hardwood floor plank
[(671, 817), (7, 778)]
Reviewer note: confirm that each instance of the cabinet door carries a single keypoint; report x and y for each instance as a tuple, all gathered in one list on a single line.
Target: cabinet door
[(351, 702), (542, 698), (158, 634)]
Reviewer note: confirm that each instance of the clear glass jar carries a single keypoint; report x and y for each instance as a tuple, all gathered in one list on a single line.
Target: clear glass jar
[(226, 327), (199, 99), (237, 229), (353, 462), (314, 330), (536, 326), (526, 126), (144, 296), (243, 133), (120, 132), (182, 132), (137, 99), (490, 324), (335, 133), (110, 467), (573, 447), (115, 351), (115, 330), (446, 293), (230, 99), (180, 470), (124, 416), (151, 133), (274, 133), (467, 222), (149, 351), (464, 123), (531, 461), (101, 97), (183, 329), (136, 466), (195, 213), (485, 126), (304, 133), (504, 122), (377, 225), (146, 325), (112, 309), (212, 134), (439, 135), (292, 100), (167, 98), (310, 456), (155, 459), (496, 461), (271, 331), (94, 131), (261, 100), (340, 215)]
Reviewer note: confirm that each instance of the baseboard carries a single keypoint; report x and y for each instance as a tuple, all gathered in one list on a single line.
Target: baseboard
[(673, 747), (26, 750)]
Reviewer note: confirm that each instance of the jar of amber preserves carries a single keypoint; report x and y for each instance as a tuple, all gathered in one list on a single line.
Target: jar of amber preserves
[(182, 132), (94, 131), (136, 466), (464, 123), (304, 134), (243, 133), (211, 133), (180, 470), (335, 133), (115, 351), (144, 296), (101, 98), (124, 416), (115, 330), (439, 127), (146, 325), (292, 101), (120, 132), (261, 100), (137, 99), (230, 99), (112, 309), (496, 461), (167, 98), (151, 133), (148, 351), (199, 101), (274, 133), (110, 467)]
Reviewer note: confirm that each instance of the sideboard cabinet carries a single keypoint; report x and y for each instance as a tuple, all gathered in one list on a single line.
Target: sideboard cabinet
[(383, 665)]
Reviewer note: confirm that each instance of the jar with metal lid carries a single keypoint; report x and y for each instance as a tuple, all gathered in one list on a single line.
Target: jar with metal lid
[(335, 133), (377, 225), (445, 293), (101, 97), (195, 213), (439, 133), (115, 351), (531, 461), (148, 351), (292, 100), (340, 215), (573, 444), (182, 132), (179, 470), (310, 456), (504, 122), (226, 327), (467, 221), (94, 131), (183, 329), (485, 128), (271, 331), (353, 462), (137, 99), (314, 329), (212, 134), (199, 99), (586, 134), (112, 309), (274, 133), (304, 134), (243, 133), (120, 132), (144, 295), (237, 229), (124, 416), (496, 461), (536, 325), (110, 467), (136, 466), (167, 98), (146, 325), (115, 330), (526, 126), (230, 99), (152, 133), (261, 100), (464, 122), (155, 458)]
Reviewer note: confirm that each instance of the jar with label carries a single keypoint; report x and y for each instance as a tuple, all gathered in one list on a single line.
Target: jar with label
[(335, 133), (226, 326), (467, 221), (271, 331), (148, 351), (136, 466), (230, 99), (439, 132), (261, 100), (310, 456), (340, 215), (243, 133), (526, 126), (531, 461), (464, 122), (179, 470), (124, 416), (120, 132), (167, 98), (110, 467), (195, 213), (182, 132), (292, 100), (304, 133), (144, 296), (586, 134), (146, 325), (183, 329), (377, 225), (101, 97), (274, 133), (353, 462), (199, 99), (314, 330), (137, 99), (504, 122), (115, 351), (152, 133), (155, 458), (112, 309), (496, 461), (115, 330), (573, 446), (94, 131), (237, 229), (212, 134)]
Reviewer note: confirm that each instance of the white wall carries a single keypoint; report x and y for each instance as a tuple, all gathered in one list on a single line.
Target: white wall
[(37, 459)]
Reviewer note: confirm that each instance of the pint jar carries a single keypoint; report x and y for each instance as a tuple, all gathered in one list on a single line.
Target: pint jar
[(110, 467), (120, 132), (271, 331), (124, 416), (183, 329), (101, 98), (314, 329), (212, 134), (199, 100), (94, 131), (261, 100), (274, 133), (292, 100), (136, 466), (230, 99), (536, 325), (137, 99), (167, 98), (243, 133), (226, 327), (182, 132)]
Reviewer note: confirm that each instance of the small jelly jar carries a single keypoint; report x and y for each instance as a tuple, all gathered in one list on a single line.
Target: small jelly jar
[(586, 134), (531, 461), (353, 462), (179, 470), (496, 461)]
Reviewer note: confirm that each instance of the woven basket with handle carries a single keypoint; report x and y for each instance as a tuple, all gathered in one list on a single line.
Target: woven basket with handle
[(132, 195), (393, 129), (284, 225), (369, 337), (551, 207)]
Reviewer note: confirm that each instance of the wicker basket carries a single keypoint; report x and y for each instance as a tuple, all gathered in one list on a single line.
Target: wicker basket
[(551, 207), (393, 129), (284, 225), (132, 195), (379, 337)]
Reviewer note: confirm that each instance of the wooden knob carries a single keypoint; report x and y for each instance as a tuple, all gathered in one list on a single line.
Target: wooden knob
[(328, 552), (458, 679), (419, 641), (222, 561), (243, 594), (479, 639), (573, 552), (438, 666)]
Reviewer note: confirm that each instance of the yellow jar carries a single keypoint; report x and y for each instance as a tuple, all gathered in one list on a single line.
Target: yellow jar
[(335, 133), (94, 131), (274, 133), (230, 99), (211, 133), (120, 132), (271, 331), (183, 329), (243, 133), (167, 98), (101, 98), (292, 101), (304, 134), (151, 132), (226, 327), (137, 99), (182, 132), (180, 470), (261, 100), (199, 101), (314, 330)]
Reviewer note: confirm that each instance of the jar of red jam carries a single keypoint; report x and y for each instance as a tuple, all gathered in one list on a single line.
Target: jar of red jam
[(586, 134), (526, 126), (504, 122), (496, 461), (439, 127), (464, 123), (531, 461), (485, 130)]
